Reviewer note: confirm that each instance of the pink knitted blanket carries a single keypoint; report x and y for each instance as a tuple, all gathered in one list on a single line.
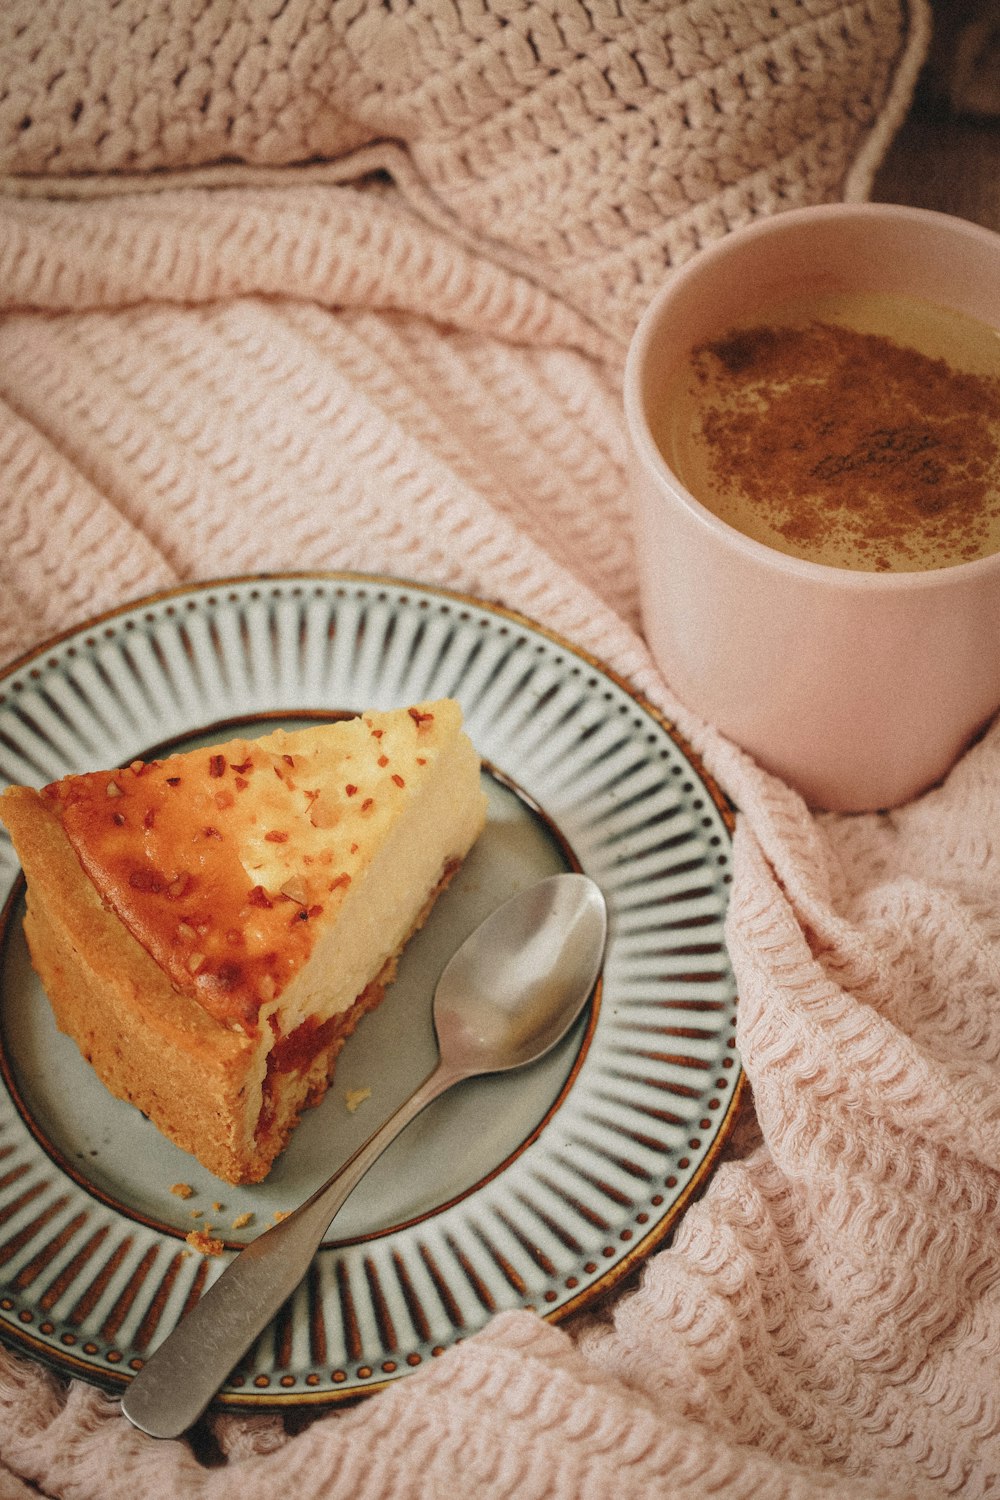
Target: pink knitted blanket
[(317, 287)]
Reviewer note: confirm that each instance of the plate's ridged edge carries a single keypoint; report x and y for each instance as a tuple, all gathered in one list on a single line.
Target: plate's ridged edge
[(381, 1287), (27, 661)]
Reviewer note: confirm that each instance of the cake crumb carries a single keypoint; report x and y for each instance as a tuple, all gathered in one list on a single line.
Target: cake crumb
[(281, 1213), (182, 1189), (217, 1208), (355, 1097), (242, 1220), (204, 1243)]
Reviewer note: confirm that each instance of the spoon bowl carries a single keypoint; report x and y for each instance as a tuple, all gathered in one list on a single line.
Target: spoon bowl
[(508, 996), (519, 981)]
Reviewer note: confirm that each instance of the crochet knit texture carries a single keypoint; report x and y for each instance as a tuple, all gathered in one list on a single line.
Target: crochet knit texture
[(322, 286)]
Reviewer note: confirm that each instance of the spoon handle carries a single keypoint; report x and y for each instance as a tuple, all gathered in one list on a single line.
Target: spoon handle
[(183, 1374)]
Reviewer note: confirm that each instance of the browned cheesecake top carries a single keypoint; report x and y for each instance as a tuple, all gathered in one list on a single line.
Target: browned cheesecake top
[(223, 862)]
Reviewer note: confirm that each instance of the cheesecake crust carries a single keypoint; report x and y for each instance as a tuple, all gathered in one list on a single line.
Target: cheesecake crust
[(150, 1045)]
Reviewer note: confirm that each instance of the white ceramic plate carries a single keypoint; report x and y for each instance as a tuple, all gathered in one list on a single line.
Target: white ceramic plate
[(538, 1189)]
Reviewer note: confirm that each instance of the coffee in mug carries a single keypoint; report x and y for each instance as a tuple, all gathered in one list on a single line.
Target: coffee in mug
[(855, 430), (813, 418)]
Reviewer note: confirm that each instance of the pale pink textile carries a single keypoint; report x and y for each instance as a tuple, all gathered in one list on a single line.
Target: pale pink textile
[(289, 373)]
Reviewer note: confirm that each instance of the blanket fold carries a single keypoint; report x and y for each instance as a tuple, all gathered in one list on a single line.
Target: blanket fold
[(587, 144)]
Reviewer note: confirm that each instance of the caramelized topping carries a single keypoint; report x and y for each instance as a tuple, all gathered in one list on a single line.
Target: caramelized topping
[(224, 890)]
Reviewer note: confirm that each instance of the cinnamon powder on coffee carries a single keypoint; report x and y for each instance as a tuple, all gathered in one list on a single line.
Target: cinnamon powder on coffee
[(829, 430)]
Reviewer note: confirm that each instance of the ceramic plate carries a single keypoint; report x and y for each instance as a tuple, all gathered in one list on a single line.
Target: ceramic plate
[(538, 1189)]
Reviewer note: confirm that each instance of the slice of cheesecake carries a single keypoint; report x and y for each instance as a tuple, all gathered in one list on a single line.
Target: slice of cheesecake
[(210, 927)]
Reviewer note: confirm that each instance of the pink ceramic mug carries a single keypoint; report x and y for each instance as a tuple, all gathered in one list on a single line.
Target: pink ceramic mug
[(858, 688)]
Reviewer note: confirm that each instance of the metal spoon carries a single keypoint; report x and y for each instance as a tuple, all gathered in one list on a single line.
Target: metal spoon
[(508, 995)]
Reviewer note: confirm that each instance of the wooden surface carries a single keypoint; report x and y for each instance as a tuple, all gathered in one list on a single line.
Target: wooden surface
[(947, 154), (951, 164)]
